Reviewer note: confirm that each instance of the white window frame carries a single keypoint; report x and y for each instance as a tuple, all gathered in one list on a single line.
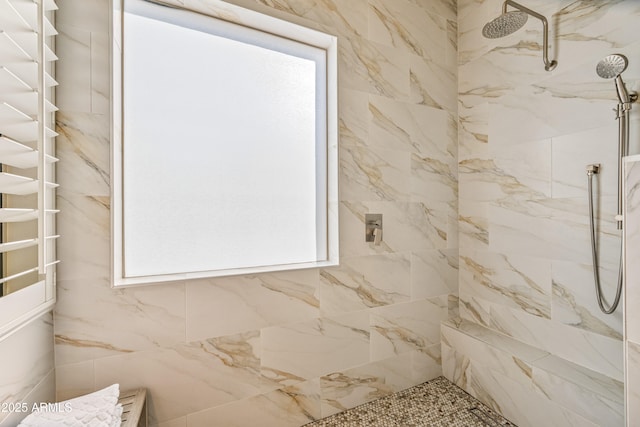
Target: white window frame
[(227, 14)]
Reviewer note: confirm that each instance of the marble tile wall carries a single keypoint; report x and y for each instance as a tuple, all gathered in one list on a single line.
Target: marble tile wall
[(529, 386), (27, 376), (525, 138), (632, 289), (282, 348)]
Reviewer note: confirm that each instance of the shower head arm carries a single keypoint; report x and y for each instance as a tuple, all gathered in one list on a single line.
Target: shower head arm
[(548, 65)]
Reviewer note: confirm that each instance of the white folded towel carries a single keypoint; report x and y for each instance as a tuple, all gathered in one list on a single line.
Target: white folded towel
[(98, 409)]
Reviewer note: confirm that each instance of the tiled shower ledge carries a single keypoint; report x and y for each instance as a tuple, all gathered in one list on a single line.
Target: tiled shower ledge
[(437, 403), (592, 395)]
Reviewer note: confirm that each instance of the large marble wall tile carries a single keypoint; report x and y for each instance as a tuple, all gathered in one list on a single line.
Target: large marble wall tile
[(633, 381), (83, 39), (574, 298), (100, 75), (288, 407), (529, 163), (569, 233), (83, 148), (492, 351), (473, 225), (314, 348), (84, 242), (434, 182), (593, 351), (589, 393), (349, 388), (407, 26), (44, 391), (427, 364), (74, 379), (403, 328), (147, 317), (365, 282), (374, 174), (455, 366), (354, 117), (226, 306), (588, 29), (543, 111), (472, 16), (73, 69), (522, 283), (178, 422), (473, 128), (190, 377), (26, 358), (632, 249), (432, 82), (418, 226), (373, 68), (518, 403), (474, 309), (572, 153), (409, 127), (520, 227), (347, 17), (434, 273), (592, 406)]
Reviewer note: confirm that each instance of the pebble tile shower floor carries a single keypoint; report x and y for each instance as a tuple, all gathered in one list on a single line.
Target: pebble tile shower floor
[(436, 403)]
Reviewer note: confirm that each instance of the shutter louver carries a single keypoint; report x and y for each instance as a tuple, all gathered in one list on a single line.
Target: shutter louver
[(27, 176)]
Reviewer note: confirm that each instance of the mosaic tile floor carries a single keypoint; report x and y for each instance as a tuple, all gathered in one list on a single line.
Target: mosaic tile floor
[(437, 403)]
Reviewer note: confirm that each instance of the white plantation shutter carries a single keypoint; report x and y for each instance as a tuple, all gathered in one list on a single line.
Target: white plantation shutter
[(27, 175)]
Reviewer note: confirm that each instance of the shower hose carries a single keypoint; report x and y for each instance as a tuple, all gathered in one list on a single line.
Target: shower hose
[(594, 254)]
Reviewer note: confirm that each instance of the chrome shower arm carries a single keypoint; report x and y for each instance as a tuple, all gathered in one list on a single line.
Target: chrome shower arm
[(548, 65)]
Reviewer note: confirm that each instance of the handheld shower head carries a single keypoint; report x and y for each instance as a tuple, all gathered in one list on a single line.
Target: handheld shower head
[(611, 67), (510, 22)]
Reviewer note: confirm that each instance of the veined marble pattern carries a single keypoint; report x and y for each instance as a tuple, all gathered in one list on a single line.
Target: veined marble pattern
[(310, 349), (409, 127), (402, 328), (522, 283), (193, 376), (373, 68), (27, 358), (532, 386), (594, 351), (592, 395), (81, 146), (632, 248), (347, 389), (290, 406), (432, 81), (434, 272), (365, 282), (224, 306), (148, 318), (408, 26), (574, 298), (632, 290), (572, 153)]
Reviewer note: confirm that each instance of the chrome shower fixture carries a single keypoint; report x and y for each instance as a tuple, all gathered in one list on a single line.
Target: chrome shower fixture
[(510, 22), (611, 67)]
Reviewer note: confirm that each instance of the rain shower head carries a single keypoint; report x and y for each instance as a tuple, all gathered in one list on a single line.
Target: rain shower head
[(510, 22), (505, 24), (611, 67)]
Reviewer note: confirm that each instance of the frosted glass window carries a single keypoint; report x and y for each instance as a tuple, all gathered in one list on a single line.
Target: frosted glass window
[(228, 146)]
